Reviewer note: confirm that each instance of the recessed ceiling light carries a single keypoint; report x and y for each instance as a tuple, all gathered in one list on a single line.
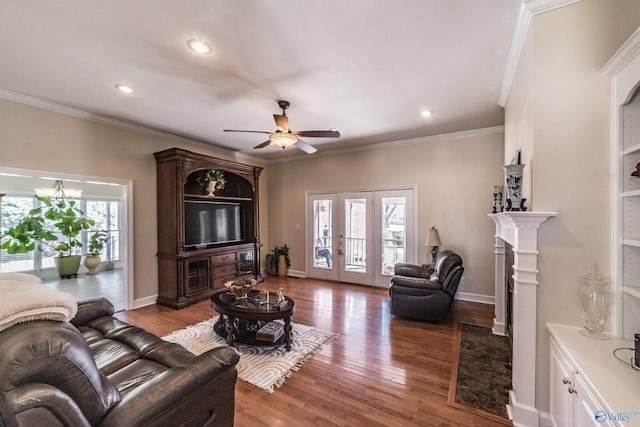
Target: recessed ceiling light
[(199, 46), (425, 113), (124, 88)]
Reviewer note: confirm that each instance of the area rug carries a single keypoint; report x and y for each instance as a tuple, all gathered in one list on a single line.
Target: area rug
[(264, 367), (481, 375)]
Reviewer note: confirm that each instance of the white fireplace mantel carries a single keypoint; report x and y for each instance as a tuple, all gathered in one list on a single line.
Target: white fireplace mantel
[(520, 230)]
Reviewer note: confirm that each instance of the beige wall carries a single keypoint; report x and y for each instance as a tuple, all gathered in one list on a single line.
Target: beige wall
[(562, 102), (36, 139), (453, 179)]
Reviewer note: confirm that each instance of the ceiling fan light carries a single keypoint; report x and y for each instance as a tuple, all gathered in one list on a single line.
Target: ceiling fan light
[(199, 46), (124, 88), (282, 139)]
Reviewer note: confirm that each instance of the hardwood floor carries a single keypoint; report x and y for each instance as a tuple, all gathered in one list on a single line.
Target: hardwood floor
[(381, 371)]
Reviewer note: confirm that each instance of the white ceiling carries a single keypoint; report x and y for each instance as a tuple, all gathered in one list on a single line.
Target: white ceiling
[(365, 67)]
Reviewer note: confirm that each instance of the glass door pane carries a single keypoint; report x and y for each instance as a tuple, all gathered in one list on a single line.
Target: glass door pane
[(321, 241), (355, 234), (393, 232), (322, 233), (355, 242), (395, 235)]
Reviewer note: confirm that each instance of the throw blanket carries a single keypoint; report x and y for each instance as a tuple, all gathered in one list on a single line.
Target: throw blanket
[(23, 298)]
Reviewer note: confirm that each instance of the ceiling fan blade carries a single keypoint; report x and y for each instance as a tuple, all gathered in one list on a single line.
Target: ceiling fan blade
[(319, 133), (281, 121), (305, 147), (250, 131), (264, 144)]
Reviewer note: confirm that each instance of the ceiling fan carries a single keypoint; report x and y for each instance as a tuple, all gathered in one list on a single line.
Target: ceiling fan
[(283, 137)]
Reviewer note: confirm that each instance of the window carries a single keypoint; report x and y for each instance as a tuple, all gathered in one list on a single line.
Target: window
[(106, 214)]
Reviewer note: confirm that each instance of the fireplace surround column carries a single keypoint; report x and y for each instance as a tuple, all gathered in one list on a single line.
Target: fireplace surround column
[(520, 230)]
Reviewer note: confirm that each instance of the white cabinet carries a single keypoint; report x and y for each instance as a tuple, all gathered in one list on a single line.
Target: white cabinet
[(561, 379), (587, 385), (571, 401), (587, 412)]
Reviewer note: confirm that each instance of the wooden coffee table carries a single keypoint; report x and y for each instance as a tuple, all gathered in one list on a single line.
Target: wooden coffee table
[(240, 319)]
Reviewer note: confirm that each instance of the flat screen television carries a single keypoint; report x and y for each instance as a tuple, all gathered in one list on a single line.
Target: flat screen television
[(208, 223)]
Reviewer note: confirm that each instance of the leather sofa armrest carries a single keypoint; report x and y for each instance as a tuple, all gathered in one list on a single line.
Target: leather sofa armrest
[(414, 282), (43, 354), (171, 398), (411, 270), (92, 309)]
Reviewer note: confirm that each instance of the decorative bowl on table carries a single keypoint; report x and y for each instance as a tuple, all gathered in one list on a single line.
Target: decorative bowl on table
[(241, 286)]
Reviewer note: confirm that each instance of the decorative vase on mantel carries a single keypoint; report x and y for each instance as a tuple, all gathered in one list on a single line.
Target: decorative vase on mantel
[(497, 198), (514, 201)]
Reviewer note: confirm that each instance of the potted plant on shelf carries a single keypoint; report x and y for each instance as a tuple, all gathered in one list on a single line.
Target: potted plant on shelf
[(211, 180), (281, 253), (92, 259), (36, 231)]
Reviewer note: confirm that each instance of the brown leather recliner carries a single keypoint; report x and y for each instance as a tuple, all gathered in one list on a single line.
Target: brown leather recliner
[(424, 292), (98, 370)]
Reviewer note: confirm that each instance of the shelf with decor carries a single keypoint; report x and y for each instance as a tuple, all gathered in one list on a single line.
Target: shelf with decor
[(624, 71), (221, 198)]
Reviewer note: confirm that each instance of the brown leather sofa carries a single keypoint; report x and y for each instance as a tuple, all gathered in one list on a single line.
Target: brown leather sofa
[(99, 371), (426, 292)]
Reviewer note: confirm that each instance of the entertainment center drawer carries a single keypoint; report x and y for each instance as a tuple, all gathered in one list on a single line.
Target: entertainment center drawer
[(228, 258), (224, 270)]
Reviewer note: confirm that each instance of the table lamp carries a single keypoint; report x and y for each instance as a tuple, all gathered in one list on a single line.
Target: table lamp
[(433, 241)]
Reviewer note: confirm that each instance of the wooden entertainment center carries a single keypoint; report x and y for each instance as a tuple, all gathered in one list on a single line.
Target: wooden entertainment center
[(194, 262)]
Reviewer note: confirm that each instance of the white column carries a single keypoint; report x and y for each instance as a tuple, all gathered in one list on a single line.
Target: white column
[(520, 229), (500, 321)]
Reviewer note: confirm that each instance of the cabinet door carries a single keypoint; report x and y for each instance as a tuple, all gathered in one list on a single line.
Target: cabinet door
[(198, 275), (588, 412), (246, 263), (561, 383)]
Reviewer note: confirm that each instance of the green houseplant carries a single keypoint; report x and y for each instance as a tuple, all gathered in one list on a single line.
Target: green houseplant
[(92, 259), (211, 180), (281, 253), (37, 231)]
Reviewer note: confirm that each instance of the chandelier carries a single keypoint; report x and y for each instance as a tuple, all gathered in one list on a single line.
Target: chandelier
[(58, 191)]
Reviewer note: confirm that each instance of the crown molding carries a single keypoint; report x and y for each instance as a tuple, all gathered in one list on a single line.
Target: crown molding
[(528, 9), (400, 143), (629, 50), (97, 118)]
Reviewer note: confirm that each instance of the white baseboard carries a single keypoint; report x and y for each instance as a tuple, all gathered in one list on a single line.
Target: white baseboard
[(143, 302), (483, 299), (463, 296), (296, 273)]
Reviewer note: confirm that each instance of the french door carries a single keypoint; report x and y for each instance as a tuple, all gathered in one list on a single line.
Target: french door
[(357, 237)]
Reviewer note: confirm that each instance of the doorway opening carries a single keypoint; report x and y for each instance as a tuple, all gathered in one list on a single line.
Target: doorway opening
[(107, 201)]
